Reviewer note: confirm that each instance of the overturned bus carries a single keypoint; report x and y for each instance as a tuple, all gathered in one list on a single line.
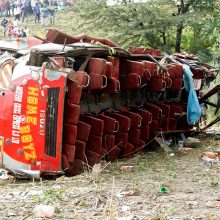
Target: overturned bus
[(68, 102)]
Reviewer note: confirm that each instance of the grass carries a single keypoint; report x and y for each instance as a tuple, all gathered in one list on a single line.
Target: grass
[(64, 21), (108, 193)]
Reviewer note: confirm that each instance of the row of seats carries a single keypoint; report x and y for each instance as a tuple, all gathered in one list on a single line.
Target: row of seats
[(113, 133), (113, 74)]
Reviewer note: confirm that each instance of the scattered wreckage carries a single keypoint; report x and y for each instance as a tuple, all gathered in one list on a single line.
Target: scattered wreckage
[(67, 102)]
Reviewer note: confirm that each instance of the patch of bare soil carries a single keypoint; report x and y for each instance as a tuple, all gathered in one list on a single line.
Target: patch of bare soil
[(109, 193)]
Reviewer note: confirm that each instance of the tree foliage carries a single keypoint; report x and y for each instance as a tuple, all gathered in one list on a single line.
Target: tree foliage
[(171, 25)]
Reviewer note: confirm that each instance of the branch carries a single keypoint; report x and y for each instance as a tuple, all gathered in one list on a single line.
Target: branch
[(182, 3), (120, 15)]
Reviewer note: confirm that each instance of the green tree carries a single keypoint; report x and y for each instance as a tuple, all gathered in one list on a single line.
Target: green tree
[(127, 23), (165, 24), (192, 12)]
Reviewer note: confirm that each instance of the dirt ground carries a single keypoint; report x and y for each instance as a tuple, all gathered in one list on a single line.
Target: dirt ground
[(107, 193)]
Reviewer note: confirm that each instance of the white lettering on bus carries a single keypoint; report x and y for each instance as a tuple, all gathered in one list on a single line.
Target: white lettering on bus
[(16, 118)]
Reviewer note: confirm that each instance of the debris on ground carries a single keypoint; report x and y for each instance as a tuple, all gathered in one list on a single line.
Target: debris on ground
[(218, 206), (126, 168), (209, 154), (163, 144), (43, 211), (4, 175), (128, 193), (184, 148), (192, 142), (97, 169), (213, 132), (210, 157), (217, 151), (164, 190)]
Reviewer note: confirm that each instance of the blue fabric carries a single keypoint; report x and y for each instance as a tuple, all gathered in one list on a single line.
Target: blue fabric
[(193, 107)]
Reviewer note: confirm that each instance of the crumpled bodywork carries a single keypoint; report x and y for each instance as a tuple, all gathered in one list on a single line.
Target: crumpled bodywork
[(73, 100), (19, 43), (31, 117)]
